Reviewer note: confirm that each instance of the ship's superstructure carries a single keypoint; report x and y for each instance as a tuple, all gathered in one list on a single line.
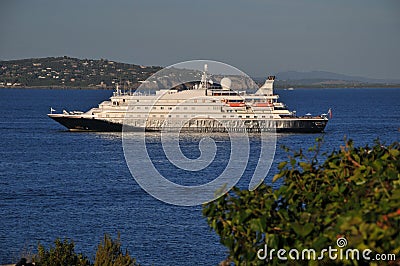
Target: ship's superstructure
[(205, 108)]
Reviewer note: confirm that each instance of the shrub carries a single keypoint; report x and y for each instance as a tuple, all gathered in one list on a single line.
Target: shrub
[(109, 253), (63, 253), (354, 193)]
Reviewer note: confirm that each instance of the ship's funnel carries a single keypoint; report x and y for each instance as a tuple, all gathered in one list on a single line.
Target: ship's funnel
[(268, 87)]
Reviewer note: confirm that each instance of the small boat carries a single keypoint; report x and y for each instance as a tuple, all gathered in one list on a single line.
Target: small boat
[(236, 104), (263, 104)]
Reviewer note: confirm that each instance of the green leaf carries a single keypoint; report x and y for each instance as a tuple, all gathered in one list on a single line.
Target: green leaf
[(281, 165), (394, 152), (257, 225), (302, 230)]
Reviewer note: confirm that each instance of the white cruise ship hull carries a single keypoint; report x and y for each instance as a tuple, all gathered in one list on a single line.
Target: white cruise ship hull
[(203, 108)]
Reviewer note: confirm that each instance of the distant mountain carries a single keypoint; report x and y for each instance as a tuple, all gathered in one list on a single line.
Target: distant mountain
[(325, 79), (330, 76)]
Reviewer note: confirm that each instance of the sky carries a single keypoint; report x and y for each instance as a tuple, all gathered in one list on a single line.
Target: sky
[(260, 37)]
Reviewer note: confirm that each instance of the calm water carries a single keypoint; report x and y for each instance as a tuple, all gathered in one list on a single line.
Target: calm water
[(55, 183)]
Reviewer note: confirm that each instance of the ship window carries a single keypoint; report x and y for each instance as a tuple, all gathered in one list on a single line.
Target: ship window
[(195, 101), (247, 116), (271, 116), (255, 116), (169, 108), (137, 100), (123, 100), (177, 108), (240, 116), (224, 116), (263, 116), (185, 108), (162, 107), (138, 107), (204, 100), (185, 116), (232, 116), (162, 115), (146, 107), (192, 108), (169, 115)]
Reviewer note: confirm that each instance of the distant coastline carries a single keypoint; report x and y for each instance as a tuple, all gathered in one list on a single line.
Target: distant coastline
[(370, 86), (72, 73), (102, 74), (54, 88)]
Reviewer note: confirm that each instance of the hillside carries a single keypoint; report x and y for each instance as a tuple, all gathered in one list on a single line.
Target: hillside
[(71, 73), (68, 72)]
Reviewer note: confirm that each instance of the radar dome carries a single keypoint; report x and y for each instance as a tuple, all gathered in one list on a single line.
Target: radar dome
[(226, 83)]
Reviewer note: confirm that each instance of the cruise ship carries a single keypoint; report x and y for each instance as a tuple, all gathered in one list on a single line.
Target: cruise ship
[(204, 107)]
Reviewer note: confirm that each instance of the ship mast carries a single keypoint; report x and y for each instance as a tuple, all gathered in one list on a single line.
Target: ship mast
[(204, 82), (117, 89)]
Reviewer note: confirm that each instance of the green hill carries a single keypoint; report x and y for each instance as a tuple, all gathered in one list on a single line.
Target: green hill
[(67, 72)]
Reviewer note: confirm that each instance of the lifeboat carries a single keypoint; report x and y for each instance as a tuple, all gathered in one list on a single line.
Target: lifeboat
[(236, 104), (263, 104)]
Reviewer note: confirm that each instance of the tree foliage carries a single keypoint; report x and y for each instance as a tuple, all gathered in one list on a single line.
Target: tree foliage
[(63, 253), (109, 253), (354, 193)]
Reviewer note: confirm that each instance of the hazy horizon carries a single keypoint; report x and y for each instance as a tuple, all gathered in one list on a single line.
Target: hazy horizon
[(356, 38)]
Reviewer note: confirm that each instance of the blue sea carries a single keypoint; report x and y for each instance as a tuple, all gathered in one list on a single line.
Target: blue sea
[(60, 184)]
